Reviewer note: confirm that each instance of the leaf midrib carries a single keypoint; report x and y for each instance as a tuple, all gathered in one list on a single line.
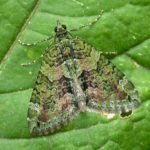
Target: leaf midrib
[(20, 32)]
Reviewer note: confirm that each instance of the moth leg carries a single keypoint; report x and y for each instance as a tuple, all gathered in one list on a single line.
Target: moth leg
[(109, 53), (36, 60), (32, 62), (35, 43), (44, 128), (89, 24)]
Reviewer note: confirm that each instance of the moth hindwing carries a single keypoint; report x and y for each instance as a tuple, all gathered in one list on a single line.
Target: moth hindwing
[(74, 78)]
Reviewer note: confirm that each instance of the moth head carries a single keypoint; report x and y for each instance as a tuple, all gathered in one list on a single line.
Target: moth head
[(60, 29)]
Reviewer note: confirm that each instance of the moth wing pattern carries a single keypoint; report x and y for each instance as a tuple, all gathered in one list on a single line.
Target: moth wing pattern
[(108, 90), (75, 77), (51, 101)]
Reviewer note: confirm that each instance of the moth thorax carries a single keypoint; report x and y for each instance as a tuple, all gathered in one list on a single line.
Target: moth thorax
[(60, 29), (82, 106)]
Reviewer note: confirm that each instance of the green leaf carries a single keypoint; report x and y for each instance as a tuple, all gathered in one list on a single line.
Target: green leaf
[(124, 28)]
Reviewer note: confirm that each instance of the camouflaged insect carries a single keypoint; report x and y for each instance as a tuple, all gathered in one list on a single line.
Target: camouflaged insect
[(74, 78)]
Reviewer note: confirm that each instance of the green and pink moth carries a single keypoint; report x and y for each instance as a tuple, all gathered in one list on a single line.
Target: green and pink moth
[(74, 77)]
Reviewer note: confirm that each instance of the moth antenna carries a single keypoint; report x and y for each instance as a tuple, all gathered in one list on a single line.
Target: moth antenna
[(35, 43), (90, 23)]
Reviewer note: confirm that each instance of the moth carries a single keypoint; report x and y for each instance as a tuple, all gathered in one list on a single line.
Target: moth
[(74, 78)]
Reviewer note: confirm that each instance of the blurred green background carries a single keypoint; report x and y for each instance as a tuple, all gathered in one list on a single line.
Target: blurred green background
[(124, 28)]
